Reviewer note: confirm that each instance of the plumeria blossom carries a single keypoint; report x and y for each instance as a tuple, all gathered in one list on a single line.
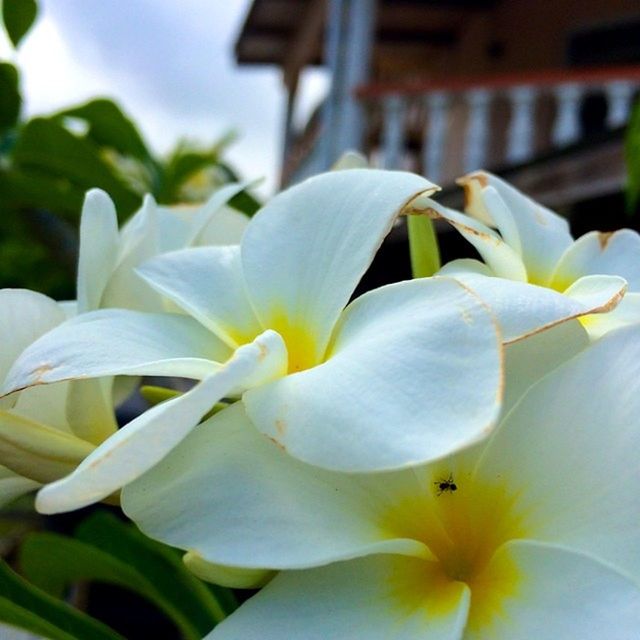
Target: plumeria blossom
[(46, 431), (266, 322), (534, 275), (41, 437), (533, 533), (109, 256)]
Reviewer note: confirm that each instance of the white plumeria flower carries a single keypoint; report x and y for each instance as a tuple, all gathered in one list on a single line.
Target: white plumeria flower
[(109, 256), (42, 438), (332, 385), (46, 431), (534, 275), (534, 533)]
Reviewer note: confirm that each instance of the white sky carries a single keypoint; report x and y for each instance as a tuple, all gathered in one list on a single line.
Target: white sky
[(170, 64)]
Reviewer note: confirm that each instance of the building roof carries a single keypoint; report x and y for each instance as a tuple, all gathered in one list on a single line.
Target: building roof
[(272, 25)]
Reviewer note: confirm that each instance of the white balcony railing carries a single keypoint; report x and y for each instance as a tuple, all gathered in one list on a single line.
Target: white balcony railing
[(445, 129)]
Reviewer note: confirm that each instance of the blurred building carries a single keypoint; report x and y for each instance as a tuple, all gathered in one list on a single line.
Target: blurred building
[(538, 91)]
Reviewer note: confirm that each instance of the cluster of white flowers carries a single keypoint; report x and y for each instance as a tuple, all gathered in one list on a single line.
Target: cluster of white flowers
[(443, 458)]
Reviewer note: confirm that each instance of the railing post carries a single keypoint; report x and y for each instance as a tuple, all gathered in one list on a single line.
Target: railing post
[(521, 126), (619, 94), (476, 142), (566, 128), (394, 111), (435, 133)]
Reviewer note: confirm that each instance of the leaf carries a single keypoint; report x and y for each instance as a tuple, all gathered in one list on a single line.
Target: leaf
[(46, 147), (632, 161), (26, 606), (22, 618), (182, 165), (423, 246), (110, 127), (54, 562), (245, 203), (10, 99), (18, 16), (160, 565)]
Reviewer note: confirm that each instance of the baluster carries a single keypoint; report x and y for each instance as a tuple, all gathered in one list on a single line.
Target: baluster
[(619, 94), (521, 126), (566, 128), (435, 133), (394, 109), (477, 131)]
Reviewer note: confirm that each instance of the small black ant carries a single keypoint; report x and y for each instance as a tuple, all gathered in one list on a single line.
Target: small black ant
[(446, 484)]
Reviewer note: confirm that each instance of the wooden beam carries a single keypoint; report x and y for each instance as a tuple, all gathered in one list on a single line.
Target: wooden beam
[(304, 44)]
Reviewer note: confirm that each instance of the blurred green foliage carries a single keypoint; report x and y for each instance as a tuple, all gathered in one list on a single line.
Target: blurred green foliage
[(17, 17), (107, 550), (48, 163), (632, 160)]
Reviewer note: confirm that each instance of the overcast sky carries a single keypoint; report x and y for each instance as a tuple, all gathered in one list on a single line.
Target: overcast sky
[(170, 65)]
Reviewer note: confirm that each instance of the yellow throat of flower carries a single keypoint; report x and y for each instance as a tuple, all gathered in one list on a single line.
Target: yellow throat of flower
[(463, 524), (302, 346)]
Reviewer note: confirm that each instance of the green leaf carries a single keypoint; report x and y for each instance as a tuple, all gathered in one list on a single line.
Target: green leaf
[(54, 562), (155, 395), (22, 618), (162, 566), (46, 148), (109, 127), (245, 203), (18, 16), (26, 606), (632, 161), (10, 99), (423, 246), (35, 189), (182, 165)]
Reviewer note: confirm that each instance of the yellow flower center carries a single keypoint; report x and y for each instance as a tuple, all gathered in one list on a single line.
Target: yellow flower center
[(463, 523), (302, 347)]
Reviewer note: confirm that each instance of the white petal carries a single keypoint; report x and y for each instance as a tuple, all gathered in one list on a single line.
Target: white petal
[(567, 453), (627, 312), (559, 594), (464, 266), (98, 248), (38, 451), (225, 228), (225, 576), (528, 360), (524, 309), (358, 410), (207, 283), (118, 342), (24, 317), (538, 234), (145, 441), (377, 598), (304, 253), (503, 260), (139, 242), (90, 412), (193, 223), (45, 403), (13, 486), (596, 253), (235, 499)]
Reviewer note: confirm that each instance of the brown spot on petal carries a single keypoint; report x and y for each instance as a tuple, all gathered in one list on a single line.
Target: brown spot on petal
[(281, 427), (278, 444), (603, 239), (40, 371)]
